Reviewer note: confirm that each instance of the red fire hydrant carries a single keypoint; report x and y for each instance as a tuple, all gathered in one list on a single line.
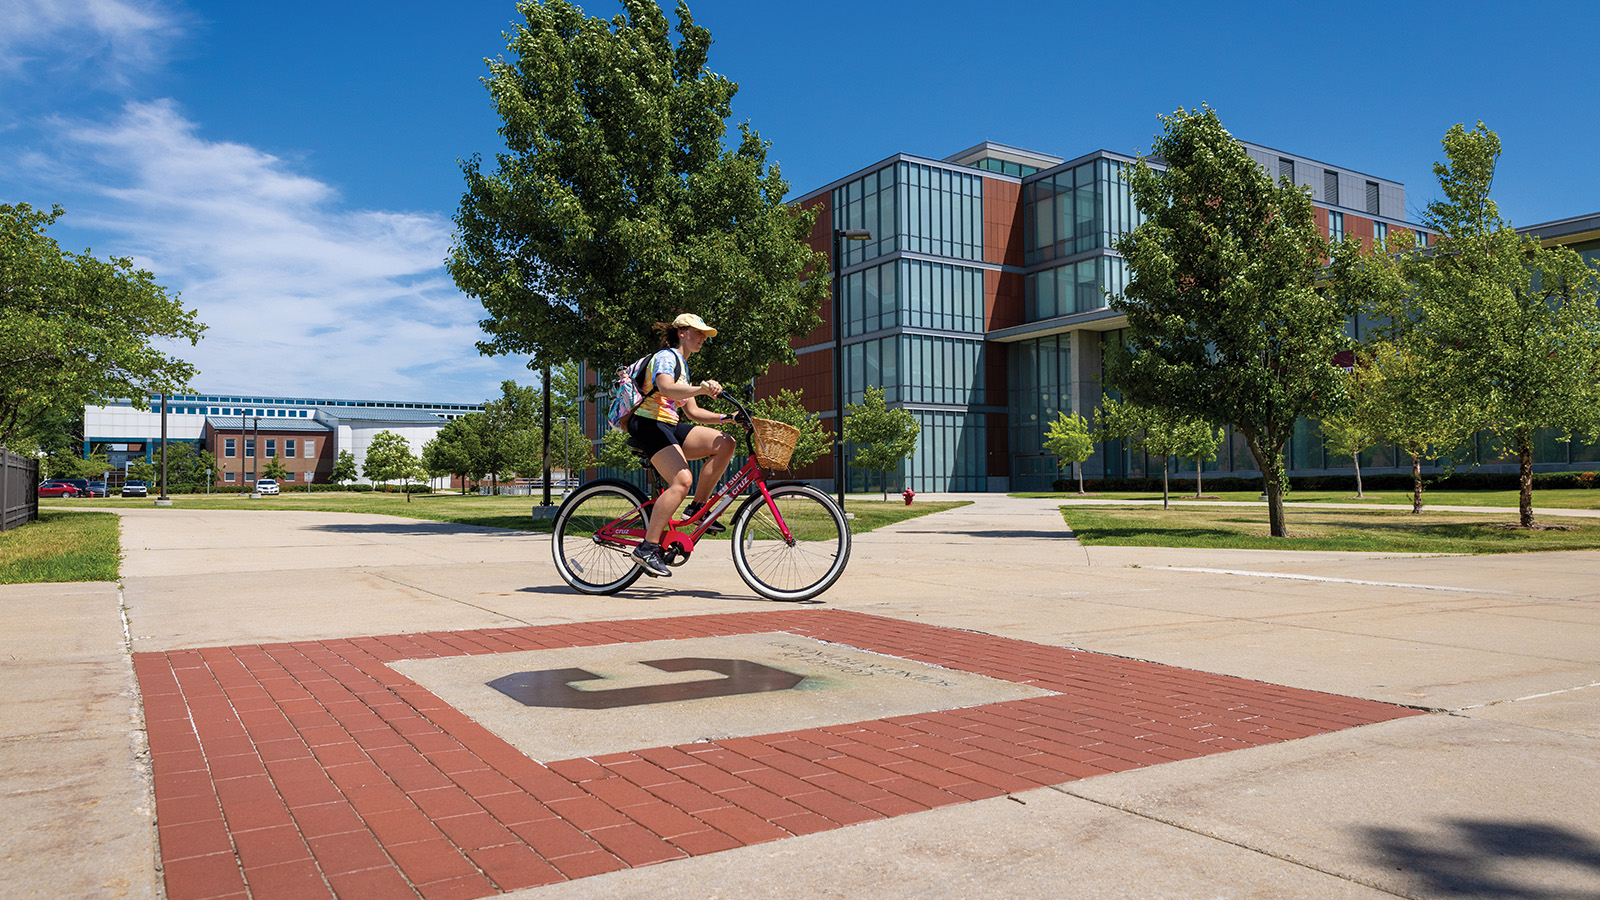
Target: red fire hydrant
[(908, 495)]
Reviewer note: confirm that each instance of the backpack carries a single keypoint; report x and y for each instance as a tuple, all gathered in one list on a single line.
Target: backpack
[(628, 395)]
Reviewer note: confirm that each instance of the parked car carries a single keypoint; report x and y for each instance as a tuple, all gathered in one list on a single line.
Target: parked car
[(135, 489), (81, 485), (97, 489), (266, 486), (57, 489)]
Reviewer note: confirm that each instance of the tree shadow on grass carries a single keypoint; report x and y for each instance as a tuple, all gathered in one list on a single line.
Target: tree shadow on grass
[(1493, 859)]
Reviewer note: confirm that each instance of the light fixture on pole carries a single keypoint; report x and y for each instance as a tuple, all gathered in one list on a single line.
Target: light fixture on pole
[(840, 235)]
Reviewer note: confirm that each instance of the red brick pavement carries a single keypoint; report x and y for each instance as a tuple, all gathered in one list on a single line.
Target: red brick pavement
[(312, 769)]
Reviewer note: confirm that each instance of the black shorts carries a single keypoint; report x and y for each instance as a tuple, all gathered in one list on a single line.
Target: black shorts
[(652, 437)]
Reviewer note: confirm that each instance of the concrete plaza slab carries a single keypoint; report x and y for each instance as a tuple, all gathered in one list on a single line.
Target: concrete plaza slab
[(319, 769), (1487, 797)]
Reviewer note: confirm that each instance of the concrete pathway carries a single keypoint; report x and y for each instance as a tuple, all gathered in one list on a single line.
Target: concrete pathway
[(1491, 794)]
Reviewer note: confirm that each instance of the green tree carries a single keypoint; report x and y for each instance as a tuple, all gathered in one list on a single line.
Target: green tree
[(882, 436), (1223, 319), (143, 470), (389, 458), (188, 467), (67, 464), (1159, 431), (1505, 321), (344, 468), (616, 202), (1346, 434), (511, 432), (1068, 438), (455, 450), (789, 407), (273, 469), (615, 453), (1404, 398), (75, 330)]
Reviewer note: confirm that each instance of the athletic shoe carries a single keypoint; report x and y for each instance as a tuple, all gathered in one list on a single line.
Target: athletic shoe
[(693, 510), (648, 558)]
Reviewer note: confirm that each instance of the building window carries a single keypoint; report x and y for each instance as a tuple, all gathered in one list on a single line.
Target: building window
[(310, 449), (1330, 187), (1422, 239), (250, 448), (228, 448), (288, 449), (1380, 232), (1335, 226), (288, 476), (249, 476), (228, 477), (1372, 197), (272, 447), (1286, 169)]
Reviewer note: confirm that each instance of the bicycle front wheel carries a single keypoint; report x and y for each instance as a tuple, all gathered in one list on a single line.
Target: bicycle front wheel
[(798, 565), (594, 532)]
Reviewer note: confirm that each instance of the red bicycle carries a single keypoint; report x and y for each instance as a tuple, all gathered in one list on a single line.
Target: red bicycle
[(790, 540)]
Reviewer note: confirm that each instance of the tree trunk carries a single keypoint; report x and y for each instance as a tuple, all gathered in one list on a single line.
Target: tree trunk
[(1269, 458), (1079, 467), (1164, 498), (1359, 494), (1525, 477), (1198, 482), (1416, 483)]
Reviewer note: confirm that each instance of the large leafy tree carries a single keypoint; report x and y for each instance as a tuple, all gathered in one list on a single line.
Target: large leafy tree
[(882, 436), (76, 330), (389, 458), (1510, 326), (616, 203), (1400, 391), (456, 450), (1224, 321)]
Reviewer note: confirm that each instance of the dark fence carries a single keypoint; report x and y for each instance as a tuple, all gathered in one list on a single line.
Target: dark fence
[(19, 490)]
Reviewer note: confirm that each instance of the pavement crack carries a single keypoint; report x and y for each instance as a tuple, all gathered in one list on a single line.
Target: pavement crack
[(405, 584), (1300, 863)]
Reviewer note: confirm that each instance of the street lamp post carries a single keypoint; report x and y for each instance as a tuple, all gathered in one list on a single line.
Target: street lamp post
[(840, 235), (254, 472), (163, 447)]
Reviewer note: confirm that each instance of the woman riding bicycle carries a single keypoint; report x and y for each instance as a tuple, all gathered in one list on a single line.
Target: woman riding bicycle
[(664, 428)]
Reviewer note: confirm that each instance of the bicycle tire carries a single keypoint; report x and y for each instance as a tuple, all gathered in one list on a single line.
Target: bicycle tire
[(791, 571), (588, 565)]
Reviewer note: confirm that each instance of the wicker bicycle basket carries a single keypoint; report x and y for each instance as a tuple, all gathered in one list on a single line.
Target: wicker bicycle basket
[(774, 442)]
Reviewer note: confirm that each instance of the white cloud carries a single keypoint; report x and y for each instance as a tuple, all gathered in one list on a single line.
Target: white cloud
[(113, 37), (301, 295)]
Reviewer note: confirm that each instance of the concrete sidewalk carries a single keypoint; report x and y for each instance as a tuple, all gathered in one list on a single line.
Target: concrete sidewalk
[(1492, 794)]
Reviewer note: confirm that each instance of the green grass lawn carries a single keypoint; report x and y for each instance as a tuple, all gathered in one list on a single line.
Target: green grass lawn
[(1239, 528), (61, 546), (468, 509), (1564, 498)]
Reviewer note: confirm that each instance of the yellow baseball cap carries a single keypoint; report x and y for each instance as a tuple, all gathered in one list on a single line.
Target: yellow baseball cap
[(690, 320)]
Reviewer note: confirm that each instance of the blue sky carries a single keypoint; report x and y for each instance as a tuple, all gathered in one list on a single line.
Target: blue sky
[(291, 167)]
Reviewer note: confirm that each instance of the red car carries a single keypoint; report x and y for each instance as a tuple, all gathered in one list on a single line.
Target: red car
[(57, 489)]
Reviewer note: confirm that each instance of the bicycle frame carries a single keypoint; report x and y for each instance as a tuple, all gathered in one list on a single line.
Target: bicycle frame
[(675, 539)]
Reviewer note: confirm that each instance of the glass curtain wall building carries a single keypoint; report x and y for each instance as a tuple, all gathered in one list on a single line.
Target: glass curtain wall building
[(981, 304)]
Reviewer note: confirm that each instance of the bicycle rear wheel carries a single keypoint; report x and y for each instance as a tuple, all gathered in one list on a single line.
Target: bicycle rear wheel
[(802, 565), (586, 538)]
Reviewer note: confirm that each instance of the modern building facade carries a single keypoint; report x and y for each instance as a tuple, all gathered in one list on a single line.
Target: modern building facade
[(305, 433), (980, 304)]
